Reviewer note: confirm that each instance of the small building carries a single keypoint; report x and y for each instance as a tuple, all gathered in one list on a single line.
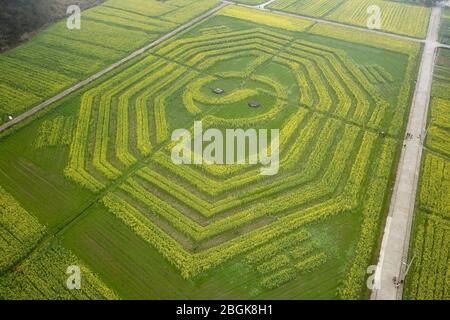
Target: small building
[(218, 91), (10, 118), (254, 104)]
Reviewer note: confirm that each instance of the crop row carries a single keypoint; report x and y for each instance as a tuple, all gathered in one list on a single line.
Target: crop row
[(311, 263), (315, 160), (59, 57), (177, 47), (397, 18), (440, 112), (54, 132), (351, 71), (13, 69), (435, 185), (378, 41), (272, 249), (279, 278), (430, 275), (437, 139), (315, 8), (214, 59), (160, 105), (325, 186), (273, 264), (129, 20), (193, 264), (430, 278), (12, 99), (266, 18), (216, 30), (221, 49), (100, 157), (57, 61), (372, 213), (19, 231), (100, 103), (189, 11), (149, 8), (369, 39), (348, 72)]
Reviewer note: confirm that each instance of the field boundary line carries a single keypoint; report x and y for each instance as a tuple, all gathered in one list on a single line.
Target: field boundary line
[(397, 233), (27, 114)]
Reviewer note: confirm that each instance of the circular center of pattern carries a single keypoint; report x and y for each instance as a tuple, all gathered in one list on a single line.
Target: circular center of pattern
[(231, 93)]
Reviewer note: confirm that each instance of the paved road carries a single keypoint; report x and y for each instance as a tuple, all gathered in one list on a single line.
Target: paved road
[(265, 4), (395, 244), (83, 83)]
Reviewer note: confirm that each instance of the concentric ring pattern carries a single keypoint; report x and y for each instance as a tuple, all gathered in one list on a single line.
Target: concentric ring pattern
[(333, 151)]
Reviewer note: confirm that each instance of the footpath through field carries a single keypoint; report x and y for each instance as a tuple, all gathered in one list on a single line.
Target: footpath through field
[(395, 244), (115, 65)]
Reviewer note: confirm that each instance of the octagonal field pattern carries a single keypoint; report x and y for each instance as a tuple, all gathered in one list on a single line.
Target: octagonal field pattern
[(330, 116), (340, 106)]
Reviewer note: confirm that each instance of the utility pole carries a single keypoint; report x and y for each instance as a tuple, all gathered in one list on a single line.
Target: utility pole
[(408, 266)]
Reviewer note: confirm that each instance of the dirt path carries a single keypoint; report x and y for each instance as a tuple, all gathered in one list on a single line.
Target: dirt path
[(395, 244), (115, 65), (265, 4)]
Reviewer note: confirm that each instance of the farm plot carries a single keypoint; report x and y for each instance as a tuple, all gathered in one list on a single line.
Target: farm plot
[(210, 226), (429, 277), (200, 217), (396, 17), (43, 275), (19, 231), (251, 2), (444, 31), (59, 57)]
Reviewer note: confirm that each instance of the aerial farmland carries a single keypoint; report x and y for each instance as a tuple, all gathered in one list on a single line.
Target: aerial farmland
[(237, 150)]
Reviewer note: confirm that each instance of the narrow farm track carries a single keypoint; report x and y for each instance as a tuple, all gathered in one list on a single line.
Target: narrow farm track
[(59, 96), (265, 4), (395, 245)]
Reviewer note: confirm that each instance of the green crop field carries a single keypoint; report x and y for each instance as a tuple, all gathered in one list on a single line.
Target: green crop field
[(58, 57), (251, 2), (404, 19), (430, 274), (444, 35), (93, 181)]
